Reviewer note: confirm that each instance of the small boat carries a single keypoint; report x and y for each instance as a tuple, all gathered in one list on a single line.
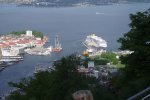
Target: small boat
[(57, 49), (97, 13), (3, 64), (1, 68)]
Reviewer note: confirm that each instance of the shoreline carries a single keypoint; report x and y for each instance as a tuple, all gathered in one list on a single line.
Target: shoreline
[(65, 6)]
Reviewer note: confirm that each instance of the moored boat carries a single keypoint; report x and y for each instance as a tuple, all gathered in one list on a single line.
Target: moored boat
[(57, 47)]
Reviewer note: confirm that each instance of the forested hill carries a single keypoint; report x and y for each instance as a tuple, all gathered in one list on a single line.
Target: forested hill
[(57, 3)]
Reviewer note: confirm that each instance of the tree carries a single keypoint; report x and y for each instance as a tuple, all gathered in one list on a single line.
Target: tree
[(35, 33), (111, 57), (137, 64), (137, 40), (58, 84)]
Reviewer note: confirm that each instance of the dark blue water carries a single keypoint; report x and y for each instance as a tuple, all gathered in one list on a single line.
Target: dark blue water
[(72, 24)]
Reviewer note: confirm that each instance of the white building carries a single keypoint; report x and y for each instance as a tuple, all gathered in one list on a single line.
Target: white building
[(7, 52), (91, 66), (38, 38), (29, 33), (12, 51), (17, 50)]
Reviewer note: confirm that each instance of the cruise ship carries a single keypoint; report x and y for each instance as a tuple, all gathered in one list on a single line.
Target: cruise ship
[(95, 44)]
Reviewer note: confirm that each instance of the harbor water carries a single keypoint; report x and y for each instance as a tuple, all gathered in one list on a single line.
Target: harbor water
[(72, 24)]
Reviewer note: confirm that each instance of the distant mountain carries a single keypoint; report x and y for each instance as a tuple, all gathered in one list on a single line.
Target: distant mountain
[(17, 1), (60, 3), (138, 0)]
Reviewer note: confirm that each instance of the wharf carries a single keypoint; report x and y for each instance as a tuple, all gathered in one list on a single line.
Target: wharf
[(12, 57), (38, 51)]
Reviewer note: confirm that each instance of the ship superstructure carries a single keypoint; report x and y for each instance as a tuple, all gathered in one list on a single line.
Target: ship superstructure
[(95, 44)]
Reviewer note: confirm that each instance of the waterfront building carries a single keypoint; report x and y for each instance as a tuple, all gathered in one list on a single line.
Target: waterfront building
[(17, 50), (6, 52), (22, 43), (12, 51), (29, 33)]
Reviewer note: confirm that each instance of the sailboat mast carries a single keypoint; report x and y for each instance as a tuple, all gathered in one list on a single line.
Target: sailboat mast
[(58, 47), (57, 44)]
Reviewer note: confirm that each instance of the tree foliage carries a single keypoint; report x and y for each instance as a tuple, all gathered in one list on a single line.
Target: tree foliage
[(137, 40), (137, 64), (18, 33), (35, 33), (101, 61), (55, 85), (111, 57)]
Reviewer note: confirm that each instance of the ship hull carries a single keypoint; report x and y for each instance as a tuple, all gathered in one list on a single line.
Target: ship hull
[(57, 49)]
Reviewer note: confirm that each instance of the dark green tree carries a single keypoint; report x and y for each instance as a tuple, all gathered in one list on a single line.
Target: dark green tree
[(111, 57), (35, 33), (58, 84), (137, 64), (137, 40)]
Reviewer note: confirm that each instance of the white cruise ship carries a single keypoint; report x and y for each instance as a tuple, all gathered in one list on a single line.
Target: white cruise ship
[(95, 44)]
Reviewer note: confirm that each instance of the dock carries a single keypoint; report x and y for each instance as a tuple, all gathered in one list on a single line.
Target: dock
[(6, 61), (39, 51)]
